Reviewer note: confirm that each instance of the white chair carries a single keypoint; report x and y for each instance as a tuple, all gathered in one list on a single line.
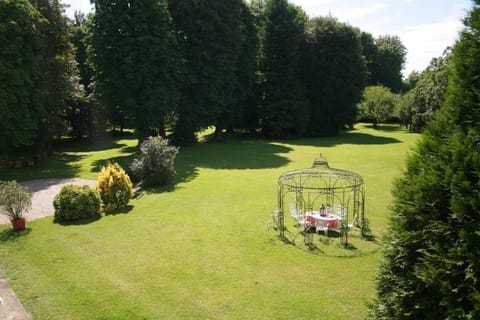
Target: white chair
[(297, 215), (350, 225), (322, 226)]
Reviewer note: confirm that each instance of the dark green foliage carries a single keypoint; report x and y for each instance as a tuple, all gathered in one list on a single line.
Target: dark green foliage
[(369, 51), (19, 65), (385, 57), (284, 108), (133, 52), (387, 64), (210, 40), (80, 113), (37, 73), (156, 163), (429, 92), (57, 82), (245, 111), (431, 259), (76, 202), (334, 74)]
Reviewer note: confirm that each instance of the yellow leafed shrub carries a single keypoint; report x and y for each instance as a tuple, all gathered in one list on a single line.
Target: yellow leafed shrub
[(114, 186)]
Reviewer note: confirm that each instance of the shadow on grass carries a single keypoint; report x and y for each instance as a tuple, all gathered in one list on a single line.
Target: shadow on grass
[(386, 127), (79, 222), (123, 161), (125, 210), (348, 137), (59, 165), (12, 235)]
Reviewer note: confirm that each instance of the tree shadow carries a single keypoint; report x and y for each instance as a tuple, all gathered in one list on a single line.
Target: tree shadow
[(99, 143), (12, 235), (124, 210), (236, 154), (348, 137), (78, 222), (386, 127), (123, 161), (59, 165)]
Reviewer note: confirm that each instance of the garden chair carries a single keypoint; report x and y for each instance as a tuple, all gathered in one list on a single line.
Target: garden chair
[(297, 215), (322, 226)]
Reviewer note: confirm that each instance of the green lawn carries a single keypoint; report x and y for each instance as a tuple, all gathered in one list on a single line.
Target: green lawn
[(203, 249)]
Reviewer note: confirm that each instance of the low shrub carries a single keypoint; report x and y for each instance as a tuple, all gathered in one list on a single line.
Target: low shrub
[(76, 202), (114, 186), (156, 163)]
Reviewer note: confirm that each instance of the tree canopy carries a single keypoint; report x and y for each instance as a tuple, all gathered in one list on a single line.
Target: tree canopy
[(283, 109), (334, 74), (177, 67), (38, 73)]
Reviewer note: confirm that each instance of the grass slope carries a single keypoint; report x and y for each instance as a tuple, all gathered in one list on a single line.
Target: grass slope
[(202, 249)]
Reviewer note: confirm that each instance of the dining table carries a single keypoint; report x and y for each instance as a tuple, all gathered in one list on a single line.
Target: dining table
[(329, 220)]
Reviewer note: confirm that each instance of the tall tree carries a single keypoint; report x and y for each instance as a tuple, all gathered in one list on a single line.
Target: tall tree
[(334, 74), (431, 257), (80, 111), (388, 60), (369, 51), (209, 36), (284, 109), (133, 51), (19, 63), (429, 92), (108, 56), (246, 102), (58, 82)]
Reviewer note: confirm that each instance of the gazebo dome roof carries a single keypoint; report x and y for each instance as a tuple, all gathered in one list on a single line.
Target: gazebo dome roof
[(320, 176)]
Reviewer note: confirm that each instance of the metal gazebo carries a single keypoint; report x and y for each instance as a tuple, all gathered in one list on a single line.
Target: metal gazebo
[(339, 191)]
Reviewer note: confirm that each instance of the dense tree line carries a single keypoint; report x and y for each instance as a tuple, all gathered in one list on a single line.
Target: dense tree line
[(38, 74), (177, 67), (431, 258)]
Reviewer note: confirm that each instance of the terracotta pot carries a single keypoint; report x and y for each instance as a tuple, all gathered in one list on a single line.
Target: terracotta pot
[(18, 224)]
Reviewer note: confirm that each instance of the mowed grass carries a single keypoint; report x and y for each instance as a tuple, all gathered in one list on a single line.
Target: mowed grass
[(204, 248)]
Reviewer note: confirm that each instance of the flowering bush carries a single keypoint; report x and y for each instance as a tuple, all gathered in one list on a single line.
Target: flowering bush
[(156, 163)]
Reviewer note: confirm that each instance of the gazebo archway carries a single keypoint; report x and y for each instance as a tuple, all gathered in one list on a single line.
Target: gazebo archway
[(338, 192)]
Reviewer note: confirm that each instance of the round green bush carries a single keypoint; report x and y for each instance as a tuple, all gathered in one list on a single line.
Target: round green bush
[(75, 202)]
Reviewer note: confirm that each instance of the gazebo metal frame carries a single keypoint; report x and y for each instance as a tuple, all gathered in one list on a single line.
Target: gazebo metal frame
[(340, 191)]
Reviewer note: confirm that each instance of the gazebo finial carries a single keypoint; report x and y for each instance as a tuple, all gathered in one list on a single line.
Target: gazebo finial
[(320, 161)]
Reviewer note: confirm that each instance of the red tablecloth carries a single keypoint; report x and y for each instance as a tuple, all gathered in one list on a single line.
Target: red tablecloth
[(313, 217)]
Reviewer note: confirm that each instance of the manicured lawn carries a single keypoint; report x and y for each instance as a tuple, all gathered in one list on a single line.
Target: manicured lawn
[(204, 248)]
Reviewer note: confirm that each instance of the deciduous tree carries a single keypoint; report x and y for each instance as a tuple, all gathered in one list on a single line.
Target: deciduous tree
[(378, 105)]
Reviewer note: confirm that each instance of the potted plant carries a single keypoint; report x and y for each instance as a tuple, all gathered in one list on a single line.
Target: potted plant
[(15, 201)]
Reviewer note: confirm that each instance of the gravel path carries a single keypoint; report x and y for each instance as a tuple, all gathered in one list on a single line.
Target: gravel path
[(43, 191)]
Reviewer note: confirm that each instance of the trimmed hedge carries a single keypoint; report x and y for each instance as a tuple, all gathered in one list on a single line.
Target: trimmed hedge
[(75, 202)]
